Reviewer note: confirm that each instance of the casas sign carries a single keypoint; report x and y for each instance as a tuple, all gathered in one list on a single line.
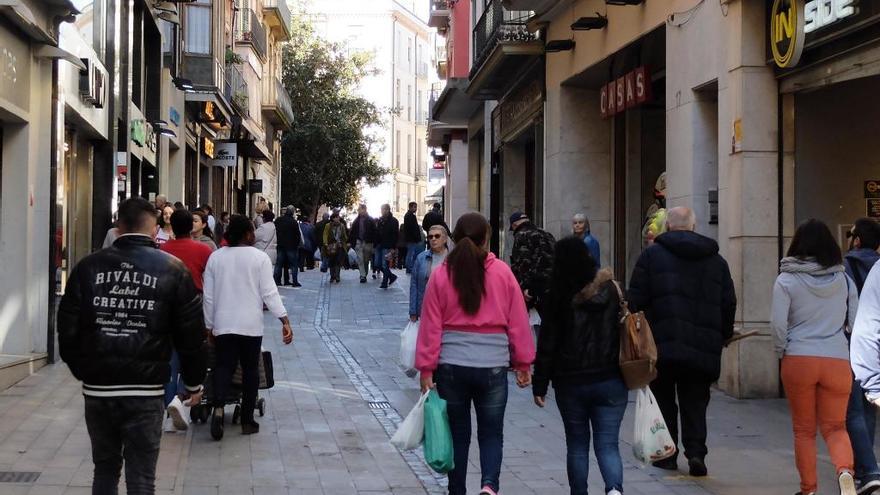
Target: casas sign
[(629, 91), (787, 32)]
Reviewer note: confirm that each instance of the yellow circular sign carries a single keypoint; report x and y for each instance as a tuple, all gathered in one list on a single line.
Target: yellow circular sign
[(787, 32)]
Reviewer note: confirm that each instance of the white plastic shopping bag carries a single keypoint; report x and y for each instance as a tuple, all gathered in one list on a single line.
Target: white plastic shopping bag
[(651, 439), (410, 433), (408, 338)]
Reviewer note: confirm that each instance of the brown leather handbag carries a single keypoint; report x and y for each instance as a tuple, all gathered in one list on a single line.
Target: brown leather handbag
[(638, 352)]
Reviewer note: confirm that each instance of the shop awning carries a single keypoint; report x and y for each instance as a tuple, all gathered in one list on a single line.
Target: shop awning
[(252, 148)]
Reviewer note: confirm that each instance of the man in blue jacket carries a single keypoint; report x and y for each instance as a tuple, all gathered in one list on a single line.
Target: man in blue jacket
[(861, 417)]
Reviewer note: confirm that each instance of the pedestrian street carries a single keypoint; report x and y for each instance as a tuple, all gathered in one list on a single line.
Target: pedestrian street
[(339, 396)]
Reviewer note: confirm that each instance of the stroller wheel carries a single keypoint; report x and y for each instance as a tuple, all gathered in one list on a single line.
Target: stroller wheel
[(261, 406), (236, 415), (217, 423)]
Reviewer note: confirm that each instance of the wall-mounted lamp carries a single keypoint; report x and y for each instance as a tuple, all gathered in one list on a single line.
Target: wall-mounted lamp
[(167, 132), (183, 84), (588, 23), (559, 46), (171, 17)]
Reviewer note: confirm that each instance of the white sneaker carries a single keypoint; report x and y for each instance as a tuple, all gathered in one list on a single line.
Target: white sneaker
[(179, 414), (847, 483), (614, 492)]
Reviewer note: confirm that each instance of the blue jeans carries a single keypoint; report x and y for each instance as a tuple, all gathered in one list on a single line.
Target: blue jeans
[(288, 259), (487, 389), (412, 250), (600, 407), (861, 421), (175, 384), (124, 430), (383, 264)]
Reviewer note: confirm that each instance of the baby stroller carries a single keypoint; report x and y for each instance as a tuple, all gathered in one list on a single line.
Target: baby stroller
[(201, 412)]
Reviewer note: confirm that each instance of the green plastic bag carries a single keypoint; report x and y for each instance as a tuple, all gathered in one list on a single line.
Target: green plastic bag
[(438, 436)]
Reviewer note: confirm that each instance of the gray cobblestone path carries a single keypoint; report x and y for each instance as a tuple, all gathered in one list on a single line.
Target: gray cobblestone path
[(327, 426)]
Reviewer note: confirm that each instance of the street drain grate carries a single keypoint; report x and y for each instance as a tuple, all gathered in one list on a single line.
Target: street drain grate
[(18, 477), (380, 405)]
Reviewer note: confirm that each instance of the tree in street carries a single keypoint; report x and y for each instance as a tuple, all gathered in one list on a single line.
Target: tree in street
[(330, 152)]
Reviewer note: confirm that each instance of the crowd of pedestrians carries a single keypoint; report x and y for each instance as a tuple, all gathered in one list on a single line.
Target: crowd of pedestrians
[(140, 327)]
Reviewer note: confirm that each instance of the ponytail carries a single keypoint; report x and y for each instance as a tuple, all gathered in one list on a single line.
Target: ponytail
[(467, 262)]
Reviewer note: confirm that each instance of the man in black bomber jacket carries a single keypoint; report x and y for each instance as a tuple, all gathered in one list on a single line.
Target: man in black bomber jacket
[(123, 310)]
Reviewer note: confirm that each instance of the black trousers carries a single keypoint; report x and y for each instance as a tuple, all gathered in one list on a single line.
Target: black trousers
[(129, 429), (681, 392), (231, 350)]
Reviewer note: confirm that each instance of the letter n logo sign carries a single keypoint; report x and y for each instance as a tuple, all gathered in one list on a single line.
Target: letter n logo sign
[(787, 32)]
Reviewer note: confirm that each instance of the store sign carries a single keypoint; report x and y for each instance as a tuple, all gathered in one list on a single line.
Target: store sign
[(629, 91), (255, 186), (138, 132), (821, 13), (787, 32), (174, 116), (872, 189), (225, 154), (872, 208), (793, 21), (208, 147), (91, 83)]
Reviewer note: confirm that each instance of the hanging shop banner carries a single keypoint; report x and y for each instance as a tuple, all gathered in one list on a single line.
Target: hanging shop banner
[(225, 154), (787, 32), (628, 91)]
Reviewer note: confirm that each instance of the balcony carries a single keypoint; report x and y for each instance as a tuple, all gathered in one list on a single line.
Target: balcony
[(503, 46), (237, 90), (249, 30), (442, 63), (276, 103), (439, 16), (278, 18)]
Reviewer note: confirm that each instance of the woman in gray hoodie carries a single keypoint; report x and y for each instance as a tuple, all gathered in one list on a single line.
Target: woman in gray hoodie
[(814, 304)]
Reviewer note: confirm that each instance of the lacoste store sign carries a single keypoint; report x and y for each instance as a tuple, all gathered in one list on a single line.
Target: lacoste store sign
[(629, 91), (792, 20)]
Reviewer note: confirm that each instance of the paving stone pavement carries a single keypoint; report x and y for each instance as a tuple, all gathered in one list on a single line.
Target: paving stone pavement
[(338, 397)]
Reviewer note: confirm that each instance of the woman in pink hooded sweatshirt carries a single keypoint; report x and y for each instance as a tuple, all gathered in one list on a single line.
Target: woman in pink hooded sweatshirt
[(474, 327)]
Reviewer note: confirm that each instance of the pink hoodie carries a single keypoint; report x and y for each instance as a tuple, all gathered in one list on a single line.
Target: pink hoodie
[(502, 311)]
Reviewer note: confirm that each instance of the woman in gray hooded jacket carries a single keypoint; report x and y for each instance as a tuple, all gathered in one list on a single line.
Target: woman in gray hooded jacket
[(814, 304)]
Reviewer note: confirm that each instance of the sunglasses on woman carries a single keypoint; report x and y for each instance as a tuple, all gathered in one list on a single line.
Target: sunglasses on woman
[(435, 236)]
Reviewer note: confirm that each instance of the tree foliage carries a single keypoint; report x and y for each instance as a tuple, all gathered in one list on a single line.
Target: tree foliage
[(330, 152)]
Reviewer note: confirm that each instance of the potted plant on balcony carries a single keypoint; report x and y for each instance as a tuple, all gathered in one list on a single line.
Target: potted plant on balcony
[(233, 58), (240, 99)]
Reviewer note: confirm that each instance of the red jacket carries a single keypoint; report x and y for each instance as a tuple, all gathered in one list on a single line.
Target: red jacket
[(194, 254)]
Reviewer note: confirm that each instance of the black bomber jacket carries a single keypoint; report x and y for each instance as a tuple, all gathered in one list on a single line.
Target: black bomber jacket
[(123, 310)]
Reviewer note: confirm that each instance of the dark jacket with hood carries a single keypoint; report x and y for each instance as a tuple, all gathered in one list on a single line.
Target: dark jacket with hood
[(532, 261), (123, 310), (684, 287), (858, 264), (412, 233), (581, 345), (287, 231)]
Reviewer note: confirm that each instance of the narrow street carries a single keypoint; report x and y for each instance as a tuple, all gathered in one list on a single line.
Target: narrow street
[(338, 398)]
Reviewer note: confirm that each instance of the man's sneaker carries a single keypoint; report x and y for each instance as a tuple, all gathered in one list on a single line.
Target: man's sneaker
[(869, 486), (847, 483), (487, 490), (363, 280), (250, 428), (384, 285), (178, 414), (614, 492), (697, 467), (669, 464), (296, 284), (393, 279), (217, 423)]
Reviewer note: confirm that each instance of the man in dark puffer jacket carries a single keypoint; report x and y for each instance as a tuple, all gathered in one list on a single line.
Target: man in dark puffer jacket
[(123, 310), (684, 287)]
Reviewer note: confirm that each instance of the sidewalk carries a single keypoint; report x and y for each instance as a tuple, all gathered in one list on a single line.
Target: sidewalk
[(338, 397)]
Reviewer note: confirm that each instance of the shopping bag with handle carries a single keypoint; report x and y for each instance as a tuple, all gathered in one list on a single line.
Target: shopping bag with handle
[(651, 439), (408, 338), (638, 352), (411, 431), (438, 435)]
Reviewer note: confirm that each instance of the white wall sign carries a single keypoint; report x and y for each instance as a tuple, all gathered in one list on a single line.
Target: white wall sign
[(225, 154), (821, 13)]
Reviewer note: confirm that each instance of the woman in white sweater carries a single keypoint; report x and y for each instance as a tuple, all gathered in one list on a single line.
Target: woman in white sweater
[(267, 239), (237, 283)]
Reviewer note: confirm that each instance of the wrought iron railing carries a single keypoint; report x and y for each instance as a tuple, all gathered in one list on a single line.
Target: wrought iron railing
[(249, 29), (283, 101), (498, 24), (237, 90)]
